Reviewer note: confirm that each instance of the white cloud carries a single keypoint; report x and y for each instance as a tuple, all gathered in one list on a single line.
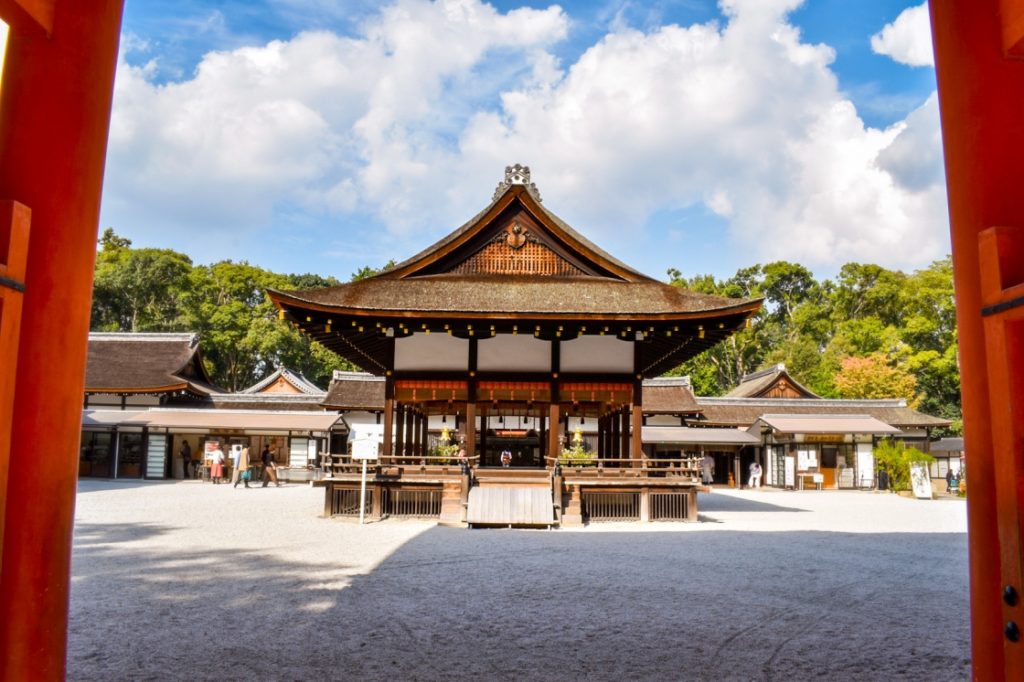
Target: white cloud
[(412, 121), (748, 120), (908, 39), (331, 122)]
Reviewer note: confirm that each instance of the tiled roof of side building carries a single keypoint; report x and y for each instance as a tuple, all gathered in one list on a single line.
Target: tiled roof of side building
[(760, 383), (745, 411), (145, 363), (355, 391), (669, 395), (299, 382), (287, 402)]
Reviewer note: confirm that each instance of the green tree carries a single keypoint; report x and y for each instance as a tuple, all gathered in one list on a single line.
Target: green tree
[(138, 290), (895, 458)]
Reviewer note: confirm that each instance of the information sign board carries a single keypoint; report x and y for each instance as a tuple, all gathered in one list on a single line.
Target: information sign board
[(921, 480), (365, 449)]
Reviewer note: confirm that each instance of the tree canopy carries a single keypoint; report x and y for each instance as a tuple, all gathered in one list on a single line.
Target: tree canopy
[(870, 333), (138, 290)]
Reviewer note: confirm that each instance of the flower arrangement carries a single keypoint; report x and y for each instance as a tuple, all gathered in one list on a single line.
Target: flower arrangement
[(577, 456), (445, 453)]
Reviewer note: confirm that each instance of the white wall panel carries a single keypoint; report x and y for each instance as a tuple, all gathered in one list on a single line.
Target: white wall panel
[(597, 354), (431, 351), (513, 353)]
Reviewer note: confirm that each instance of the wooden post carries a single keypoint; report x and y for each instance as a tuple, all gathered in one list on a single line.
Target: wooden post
[(614, 436), (554, 441), (981, 95), (389, 418), (424, 435), (54, 120), (542, 423), (399, 429), (624, 435), (471, 428), (410, 430), (484, 419), (14, 229)]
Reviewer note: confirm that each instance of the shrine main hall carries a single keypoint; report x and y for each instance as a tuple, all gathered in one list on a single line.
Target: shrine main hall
[(504, 330)]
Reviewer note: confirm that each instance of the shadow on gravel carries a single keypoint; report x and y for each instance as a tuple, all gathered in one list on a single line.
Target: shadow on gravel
[(713, 502), (523, 605)]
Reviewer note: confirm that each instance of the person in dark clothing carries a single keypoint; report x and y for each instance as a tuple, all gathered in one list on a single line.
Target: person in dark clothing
[(269, 468), (185, 452), (950, 477)]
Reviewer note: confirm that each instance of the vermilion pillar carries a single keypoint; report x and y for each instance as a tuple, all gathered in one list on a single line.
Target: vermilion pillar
[(981, 98), (55, 103)]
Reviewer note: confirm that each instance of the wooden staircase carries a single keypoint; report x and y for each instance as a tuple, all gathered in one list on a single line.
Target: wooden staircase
[(511, 497)]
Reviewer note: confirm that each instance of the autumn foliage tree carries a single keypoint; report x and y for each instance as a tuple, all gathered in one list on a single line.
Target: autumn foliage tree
[(875, 377)]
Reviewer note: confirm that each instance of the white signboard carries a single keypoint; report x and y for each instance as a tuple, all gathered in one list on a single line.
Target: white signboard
[(790, 471), (156, 456), (365, 449), (920, 480), (299, 453), (865, 465)]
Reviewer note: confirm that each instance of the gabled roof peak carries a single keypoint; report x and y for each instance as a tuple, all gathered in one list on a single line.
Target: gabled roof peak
[(295, 379), (517, 175), (773, 369)]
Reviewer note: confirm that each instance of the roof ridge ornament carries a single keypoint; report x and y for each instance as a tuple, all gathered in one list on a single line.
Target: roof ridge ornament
[(517, 175)]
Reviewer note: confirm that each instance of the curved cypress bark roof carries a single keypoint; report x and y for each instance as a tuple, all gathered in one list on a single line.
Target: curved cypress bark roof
[(146, 363), (515, 266)]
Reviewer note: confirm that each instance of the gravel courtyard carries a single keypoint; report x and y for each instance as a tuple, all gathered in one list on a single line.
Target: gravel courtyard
[(190, 581)]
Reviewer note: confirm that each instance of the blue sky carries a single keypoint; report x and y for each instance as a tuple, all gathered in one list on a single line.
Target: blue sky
[(317, 136)]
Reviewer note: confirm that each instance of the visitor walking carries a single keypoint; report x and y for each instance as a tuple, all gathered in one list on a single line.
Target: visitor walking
[(755, 475), (242, 473), (707, 470), (506, 458), (269, 468), (950, 477)]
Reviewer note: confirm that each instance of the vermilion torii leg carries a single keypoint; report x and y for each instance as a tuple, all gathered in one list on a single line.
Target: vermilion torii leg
[(55, 103), (981, 98)]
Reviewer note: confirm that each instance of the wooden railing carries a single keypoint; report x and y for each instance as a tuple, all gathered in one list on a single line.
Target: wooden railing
[(344, 464), (625, 466)]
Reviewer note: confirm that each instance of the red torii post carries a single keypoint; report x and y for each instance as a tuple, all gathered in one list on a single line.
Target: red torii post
[(55, 99), (978, 45)]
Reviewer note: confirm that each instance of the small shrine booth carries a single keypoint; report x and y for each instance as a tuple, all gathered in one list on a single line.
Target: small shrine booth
[(507, 336)]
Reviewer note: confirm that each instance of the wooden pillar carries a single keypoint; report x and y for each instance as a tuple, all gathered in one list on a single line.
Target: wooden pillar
[(14, 230), (54, 120), (613, 436), (483, 434), (981, 95), (424, 435), (389, 418), (554, 440), (410, 430), (471, 428), (399, 429), (600, 437), (542, 430), (637, 452), (624, 434)]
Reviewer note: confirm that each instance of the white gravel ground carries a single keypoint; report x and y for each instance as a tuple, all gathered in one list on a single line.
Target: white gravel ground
[(190, 581)]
